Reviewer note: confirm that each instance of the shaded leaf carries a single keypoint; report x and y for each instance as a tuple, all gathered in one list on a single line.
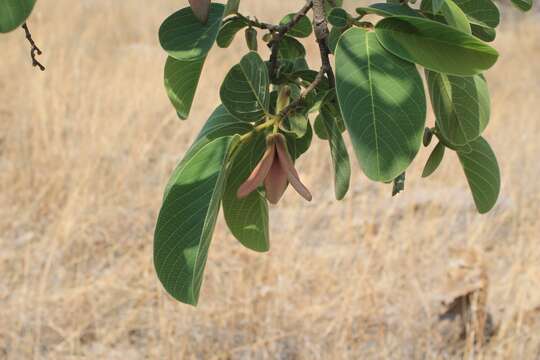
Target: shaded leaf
[(435, 46), (461, 106), (245, 90), (302, 29), (434, 160), (181, 80), (247, 218), (483, 174)]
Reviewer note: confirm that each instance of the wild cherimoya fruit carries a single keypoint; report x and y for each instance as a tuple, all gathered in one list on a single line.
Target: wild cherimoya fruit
[(200, 9), (276, 170)]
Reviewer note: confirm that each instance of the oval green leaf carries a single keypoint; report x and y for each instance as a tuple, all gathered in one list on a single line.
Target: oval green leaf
[(383, 104), (435, 46), (434, 160), (302, 29), (228, 31), (478, 11), (483, 174), (187, 219), (245, 90), (181, 80), (185, 38), (461, 106), (13, 13)]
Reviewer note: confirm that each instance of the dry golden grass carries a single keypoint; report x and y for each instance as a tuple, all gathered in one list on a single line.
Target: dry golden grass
[(85, 151)]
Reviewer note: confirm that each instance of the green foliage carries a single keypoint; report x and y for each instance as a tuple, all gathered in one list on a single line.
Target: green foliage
[(245, 153), (13, 13)]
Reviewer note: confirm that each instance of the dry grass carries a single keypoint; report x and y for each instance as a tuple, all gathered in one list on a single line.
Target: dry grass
[(85, 151)]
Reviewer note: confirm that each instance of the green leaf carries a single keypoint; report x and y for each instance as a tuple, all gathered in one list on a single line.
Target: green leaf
[(228, 31), (245, 90), (296, 123), (187, 219), (461, 106), (221, 123), (524, 5), (455, 16), (478, 11), (247, 218), (483, 174), (386, 10), (340, 156), (383, 104), (437, 5), (231, 7), (181, 80), (291, 49), (185, 38), (302, 29), (338, 17), (13, 13), (434, 160), (435, 46)]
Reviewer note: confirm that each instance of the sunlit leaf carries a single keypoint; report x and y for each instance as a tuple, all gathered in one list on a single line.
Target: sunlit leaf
[(187, 219), (383, 104)]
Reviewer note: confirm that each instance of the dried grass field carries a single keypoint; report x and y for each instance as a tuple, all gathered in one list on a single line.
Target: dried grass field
[(85, 151)]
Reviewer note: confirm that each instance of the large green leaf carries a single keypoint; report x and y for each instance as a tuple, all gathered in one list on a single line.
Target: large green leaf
[(184, 37), (383, 104), (483, 174), (187, 219), (478, 11), (13, 13), (302, 29), (435, 46), (181, 80), (245, 90), (461, 106), (220, 124), (247, 218), (524, 5), (340, 156)]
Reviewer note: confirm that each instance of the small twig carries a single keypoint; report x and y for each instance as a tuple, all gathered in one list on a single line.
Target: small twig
[(34, 51)]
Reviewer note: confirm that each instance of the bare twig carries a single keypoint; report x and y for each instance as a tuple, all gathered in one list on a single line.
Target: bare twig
[(34, 51), (320, 25)]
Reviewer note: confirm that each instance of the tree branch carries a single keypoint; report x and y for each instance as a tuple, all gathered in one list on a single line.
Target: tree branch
[(320, 26), (34, 51)]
